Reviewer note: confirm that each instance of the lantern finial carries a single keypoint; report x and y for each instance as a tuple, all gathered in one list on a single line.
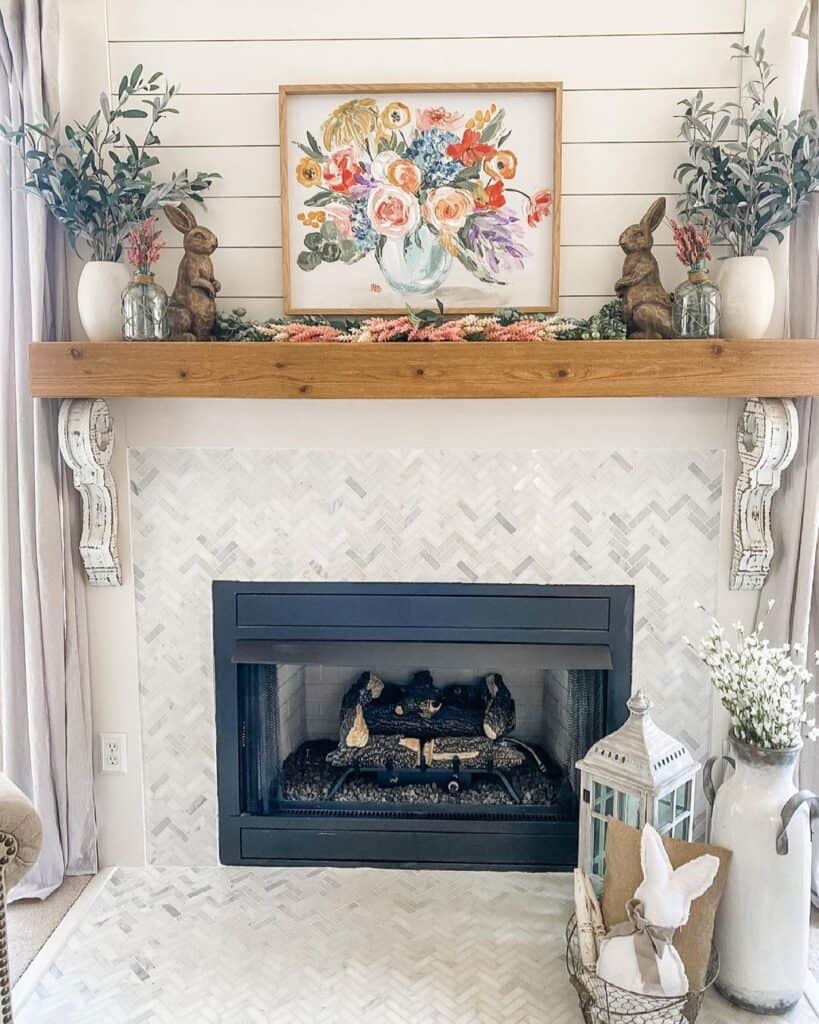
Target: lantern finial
[(638, 704)]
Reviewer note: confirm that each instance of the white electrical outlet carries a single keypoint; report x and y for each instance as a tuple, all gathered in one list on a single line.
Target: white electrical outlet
[(112, 753)]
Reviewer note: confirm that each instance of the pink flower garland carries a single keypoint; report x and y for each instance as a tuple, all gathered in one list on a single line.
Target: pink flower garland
[(388, 329)]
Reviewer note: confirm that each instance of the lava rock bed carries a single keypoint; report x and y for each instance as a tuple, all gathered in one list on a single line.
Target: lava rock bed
[(308, 778)]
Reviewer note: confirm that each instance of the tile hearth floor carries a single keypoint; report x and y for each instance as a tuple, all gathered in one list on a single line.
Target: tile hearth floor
[(315, 945)]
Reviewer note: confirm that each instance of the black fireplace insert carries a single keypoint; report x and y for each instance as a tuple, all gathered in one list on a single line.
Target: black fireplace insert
[(414, 724)]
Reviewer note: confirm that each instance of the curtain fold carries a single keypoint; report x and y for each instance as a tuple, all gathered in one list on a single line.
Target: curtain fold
[(45, 722), (793, 582)]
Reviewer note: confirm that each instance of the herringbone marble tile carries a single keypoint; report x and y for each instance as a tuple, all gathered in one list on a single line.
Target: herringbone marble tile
[(648, 518), (321, 946)]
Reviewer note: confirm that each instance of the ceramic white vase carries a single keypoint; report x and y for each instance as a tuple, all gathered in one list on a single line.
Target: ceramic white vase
[(748, 294), (763, 920), (99, 299)]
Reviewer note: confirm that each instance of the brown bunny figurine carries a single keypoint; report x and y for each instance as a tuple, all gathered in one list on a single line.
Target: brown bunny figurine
[(192, 308), (646, 304)]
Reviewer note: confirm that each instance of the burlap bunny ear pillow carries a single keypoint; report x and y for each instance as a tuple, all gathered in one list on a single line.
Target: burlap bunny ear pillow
[(624, 874)]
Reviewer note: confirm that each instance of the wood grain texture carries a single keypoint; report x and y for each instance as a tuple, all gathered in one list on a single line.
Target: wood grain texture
[(585, 369)]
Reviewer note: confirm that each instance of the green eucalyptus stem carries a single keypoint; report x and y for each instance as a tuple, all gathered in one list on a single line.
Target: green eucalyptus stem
[(749, 169), (93, 176)]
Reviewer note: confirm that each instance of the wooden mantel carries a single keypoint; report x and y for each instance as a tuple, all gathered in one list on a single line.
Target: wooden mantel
[(566, 369)]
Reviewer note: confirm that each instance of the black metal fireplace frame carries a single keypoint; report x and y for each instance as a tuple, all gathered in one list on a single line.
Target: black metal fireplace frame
[(268, 622)]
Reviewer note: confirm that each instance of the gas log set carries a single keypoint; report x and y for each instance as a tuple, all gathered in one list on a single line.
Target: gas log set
[(426, 742)]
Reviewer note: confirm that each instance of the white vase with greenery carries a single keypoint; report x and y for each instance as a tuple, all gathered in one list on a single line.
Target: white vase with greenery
[(97, 180), (99, 298), (749, 168), (748, 296), (762, 926)]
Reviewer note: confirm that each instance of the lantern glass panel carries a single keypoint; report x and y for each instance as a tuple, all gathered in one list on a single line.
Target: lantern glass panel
[(682, 828), (603, 799), (628, 809), (598, 865), (682, 799), (665, 811)]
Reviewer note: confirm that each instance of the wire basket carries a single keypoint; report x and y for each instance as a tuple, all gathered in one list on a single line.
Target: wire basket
[(604, 1003)]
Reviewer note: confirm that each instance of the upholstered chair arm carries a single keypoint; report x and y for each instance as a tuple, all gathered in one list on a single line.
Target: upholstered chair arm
[(20, 821), (21, 836)]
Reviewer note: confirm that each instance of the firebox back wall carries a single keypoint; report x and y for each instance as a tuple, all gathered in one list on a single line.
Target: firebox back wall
[(648, 518)]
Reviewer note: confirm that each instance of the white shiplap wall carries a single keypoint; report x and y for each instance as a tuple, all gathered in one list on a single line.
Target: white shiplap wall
[(624, 67)]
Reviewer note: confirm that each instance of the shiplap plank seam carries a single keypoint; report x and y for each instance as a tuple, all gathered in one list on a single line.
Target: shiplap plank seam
[(598, 62), (156, 20)]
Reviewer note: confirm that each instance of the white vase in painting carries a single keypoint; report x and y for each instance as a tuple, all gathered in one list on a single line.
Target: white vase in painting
[(415, 265), (99, 299), (748, 293), (762, 926)]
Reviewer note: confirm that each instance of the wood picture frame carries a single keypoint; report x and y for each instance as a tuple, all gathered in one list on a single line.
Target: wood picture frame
[(364, 233)]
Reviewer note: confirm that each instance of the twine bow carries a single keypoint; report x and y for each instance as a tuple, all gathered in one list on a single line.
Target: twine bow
[(650, 941)]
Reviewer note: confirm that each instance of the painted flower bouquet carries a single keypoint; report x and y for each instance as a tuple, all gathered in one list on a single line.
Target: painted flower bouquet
[(416, 190)]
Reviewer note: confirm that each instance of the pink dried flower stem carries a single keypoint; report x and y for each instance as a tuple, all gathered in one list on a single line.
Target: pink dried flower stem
[(693, 244), (451, 331), (523, 330), (145, 243), (384, 329), (307, 333)]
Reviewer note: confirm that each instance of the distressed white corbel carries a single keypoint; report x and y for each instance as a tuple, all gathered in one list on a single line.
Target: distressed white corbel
[(86, 443), (767, 436)]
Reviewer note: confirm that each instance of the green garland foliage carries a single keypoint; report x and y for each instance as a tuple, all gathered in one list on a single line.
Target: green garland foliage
[(607, 323)]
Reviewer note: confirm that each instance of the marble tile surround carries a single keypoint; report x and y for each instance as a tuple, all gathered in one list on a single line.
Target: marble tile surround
[(649, 518), (324, 946)]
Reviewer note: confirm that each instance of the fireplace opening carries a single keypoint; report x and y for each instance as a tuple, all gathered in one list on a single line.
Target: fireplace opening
[(412, 724)]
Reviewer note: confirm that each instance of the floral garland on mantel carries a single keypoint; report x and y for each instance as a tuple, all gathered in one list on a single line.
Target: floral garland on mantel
[(506, 325)]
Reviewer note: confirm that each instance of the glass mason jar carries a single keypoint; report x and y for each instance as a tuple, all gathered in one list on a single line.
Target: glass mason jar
[(144, 309), (696, 308)]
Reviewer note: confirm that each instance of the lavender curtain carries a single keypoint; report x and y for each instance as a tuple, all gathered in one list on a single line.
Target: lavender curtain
[(794, 580), (45, 722)]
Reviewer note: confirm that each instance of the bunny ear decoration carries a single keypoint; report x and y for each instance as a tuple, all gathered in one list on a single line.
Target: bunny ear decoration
[(653, 858), (654, 215), (181, 217), (695, 877)]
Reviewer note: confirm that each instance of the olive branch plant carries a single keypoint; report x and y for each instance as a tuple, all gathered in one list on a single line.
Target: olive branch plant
[(749, 167), (94, 177)]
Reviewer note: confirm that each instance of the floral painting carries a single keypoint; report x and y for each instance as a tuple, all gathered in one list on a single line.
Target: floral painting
[(394, 198)]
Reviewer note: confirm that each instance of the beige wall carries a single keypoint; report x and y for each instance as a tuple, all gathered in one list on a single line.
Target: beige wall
[(624, 67)]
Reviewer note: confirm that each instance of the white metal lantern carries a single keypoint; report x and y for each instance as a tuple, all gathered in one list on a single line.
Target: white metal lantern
[(637, 774)]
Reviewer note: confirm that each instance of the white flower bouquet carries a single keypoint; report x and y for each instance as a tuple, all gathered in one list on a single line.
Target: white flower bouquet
[(763, 688)]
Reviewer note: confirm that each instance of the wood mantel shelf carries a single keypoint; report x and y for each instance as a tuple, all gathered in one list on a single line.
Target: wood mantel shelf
[(565, 369)]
